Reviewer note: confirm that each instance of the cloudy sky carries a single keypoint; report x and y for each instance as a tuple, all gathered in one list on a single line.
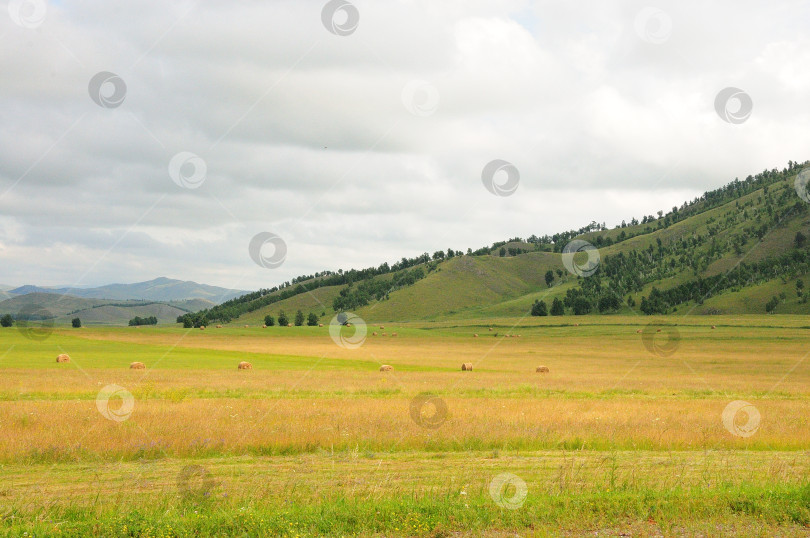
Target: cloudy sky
[(157, 138)]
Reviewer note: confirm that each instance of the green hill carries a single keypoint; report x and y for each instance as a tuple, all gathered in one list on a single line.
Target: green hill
[(63, 308), (743, 248)]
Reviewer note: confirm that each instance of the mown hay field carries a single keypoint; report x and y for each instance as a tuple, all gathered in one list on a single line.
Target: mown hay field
[(701, 427)]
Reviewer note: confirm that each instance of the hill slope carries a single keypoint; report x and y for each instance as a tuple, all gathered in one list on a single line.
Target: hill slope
[(62, 308), (743, 248)]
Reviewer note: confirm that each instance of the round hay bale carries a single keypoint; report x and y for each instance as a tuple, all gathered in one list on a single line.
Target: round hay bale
[(542, 369), (386, 368), (320, 324), (289, 325), (638, 330), (244, 366), (63, 357), (658, 330), (382, 326), (219, 326), (576, 324), (490, 328), (713, 327), (466, 367), (383, 334), (475, 335), (264, 326), (393, 334), (374, 334), (202, 327), (137, 366), (246, 326)]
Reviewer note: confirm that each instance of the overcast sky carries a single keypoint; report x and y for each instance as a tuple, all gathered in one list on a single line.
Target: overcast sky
[(358, 132)]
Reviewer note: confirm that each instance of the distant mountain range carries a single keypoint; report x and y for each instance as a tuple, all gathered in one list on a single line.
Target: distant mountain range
[(160, 289), (114, 304)]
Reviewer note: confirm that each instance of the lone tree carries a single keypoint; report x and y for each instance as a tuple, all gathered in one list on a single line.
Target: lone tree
[(539, 308), (549, 277), (312, 319), (6, 321), (269, 320), (77, 323), (283, 320), (557, 307), (299, 318)]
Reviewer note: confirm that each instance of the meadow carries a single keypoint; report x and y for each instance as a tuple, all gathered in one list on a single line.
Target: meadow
[(635, 429)]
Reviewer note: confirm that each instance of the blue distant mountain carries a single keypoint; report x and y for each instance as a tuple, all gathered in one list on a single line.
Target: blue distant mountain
[(159, 289)]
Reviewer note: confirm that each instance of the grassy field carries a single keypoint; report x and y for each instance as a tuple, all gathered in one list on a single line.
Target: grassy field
[(631, 431)]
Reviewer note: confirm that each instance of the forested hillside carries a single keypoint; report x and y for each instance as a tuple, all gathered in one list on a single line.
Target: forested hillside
[(741, 248)]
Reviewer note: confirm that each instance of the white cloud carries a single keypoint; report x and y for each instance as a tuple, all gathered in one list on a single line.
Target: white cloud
[(304, 133)]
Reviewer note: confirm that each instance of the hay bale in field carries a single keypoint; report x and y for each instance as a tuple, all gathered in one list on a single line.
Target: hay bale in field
[(475, 335), (386, 368), (320, 324), (638, 330), (713, 327), (542, 369), (264, 326), (289, 325), (137, 366), (202, 327), (63, 357), (383, 334), (374, 334), (382, 326), (219, 326), (246, 326), (393, 334), (244, 366), (576, 324), (466, 367), (658, 330), (490, 328)]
